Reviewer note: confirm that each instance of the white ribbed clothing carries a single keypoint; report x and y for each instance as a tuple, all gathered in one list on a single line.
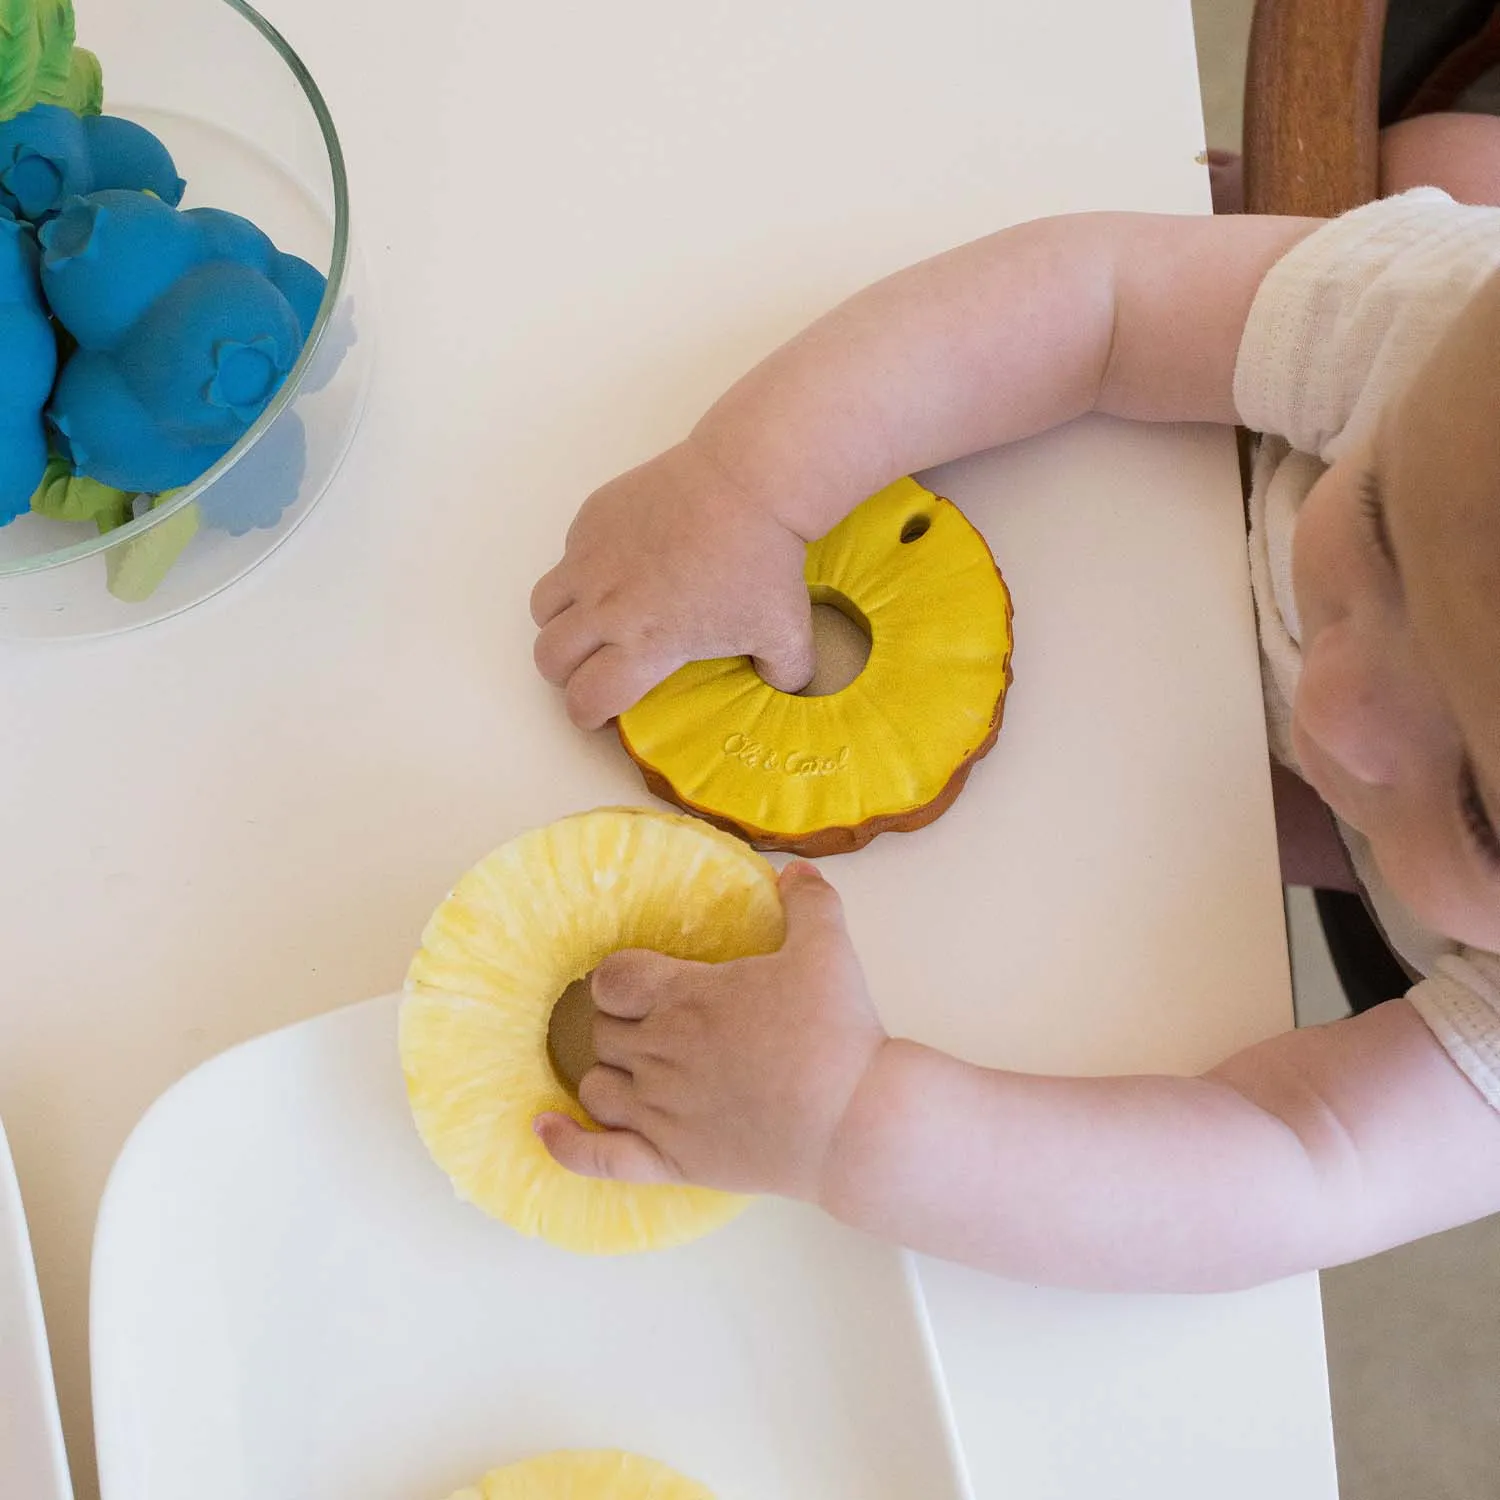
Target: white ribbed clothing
[(1338, 326)]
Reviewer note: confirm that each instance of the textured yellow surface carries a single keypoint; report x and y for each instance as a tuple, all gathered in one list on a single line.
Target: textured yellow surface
[(519, 927), (598, 1475), (909, 567)]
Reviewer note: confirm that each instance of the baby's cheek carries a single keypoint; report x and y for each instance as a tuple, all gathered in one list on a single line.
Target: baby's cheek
[(1313, 706), (1341, 707), (1420, 869), (1320, 564)]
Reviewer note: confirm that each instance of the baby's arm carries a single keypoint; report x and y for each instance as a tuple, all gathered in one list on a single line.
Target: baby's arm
[(1317, 1147), (774, 1075), (698, 553)]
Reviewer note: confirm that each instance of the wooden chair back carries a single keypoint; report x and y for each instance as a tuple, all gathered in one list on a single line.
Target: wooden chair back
[(1312, 106)]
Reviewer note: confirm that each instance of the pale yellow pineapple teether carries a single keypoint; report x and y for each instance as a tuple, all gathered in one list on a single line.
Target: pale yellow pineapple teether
[(822, 775), (518, 929), (585, 1475)]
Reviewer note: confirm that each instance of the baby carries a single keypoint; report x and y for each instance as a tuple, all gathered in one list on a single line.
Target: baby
[(1367, 349)]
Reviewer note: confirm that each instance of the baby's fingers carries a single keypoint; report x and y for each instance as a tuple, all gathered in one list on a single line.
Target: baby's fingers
[(814, 912), (615, 1155), (615, 678), (621, 1044), (550, 596), (629, 984), (564, 643), (787, 656)]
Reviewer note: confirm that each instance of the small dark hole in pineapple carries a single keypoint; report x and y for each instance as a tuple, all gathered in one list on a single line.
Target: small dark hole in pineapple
[(570, 1035), (915, 528)]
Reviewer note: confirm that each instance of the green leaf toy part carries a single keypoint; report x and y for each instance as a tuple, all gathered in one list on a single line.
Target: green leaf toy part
[(84, 91), (39, 63), (135, 568), (66, 496)]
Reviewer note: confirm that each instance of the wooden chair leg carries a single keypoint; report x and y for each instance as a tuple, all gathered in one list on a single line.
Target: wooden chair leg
[(1312, 105)]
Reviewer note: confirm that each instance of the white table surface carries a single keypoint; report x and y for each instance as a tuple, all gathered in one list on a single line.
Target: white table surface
[(597, 215)]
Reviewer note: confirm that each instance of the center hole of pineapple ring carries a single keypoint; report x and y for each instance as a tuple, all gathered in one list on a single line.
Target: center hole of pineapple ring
[(570, 1035), (841, 643)]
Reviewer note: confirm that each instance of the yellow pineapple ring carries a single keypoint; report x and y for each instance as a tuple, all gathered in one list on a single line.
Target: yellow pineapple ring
[(892, 749), (585, 1475), (523, 924)]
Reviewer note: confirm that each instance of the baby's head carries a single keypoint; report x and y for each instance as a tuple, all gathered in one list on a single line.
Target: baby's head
[(1396, 565)]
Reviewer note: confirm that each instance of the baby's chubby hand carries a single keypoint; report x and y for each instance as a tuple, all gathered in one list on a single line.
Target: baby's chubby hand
[(734, 1075), (671, 562)]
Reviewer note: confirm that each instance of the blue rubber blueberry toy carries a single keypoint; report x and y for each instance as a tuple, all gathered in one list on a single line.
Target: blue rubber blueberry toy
[(187, 323), (48, 155), (28, 363)]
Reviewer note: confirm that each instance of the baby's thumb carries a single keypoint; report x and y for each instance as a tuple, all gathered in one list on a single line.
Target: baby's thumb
[(788, 661), (613, 1155), (813, 910)]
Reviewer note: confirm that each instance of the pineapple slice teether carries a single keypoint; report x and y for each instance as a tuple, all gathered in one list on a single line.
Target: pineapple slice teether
[(518, 930)]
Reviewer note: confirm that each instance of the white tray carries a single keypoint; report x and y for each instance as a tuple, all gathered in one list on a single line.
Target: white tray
[(32, 1461), (289, 1301)]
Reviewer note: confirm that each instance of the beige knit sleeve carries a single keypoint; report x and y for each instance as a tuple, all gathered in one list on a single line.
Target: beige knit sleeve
[(1460, 1002), (1346, 317)]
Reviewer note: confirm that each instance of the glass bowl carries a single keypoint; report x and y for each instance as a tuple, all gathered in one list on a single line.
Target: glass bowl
[(250, 132)]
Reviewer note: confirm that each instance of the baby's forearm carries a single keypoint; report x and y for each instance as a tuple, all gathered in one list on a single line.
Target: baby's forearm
[(994, 340), (1135, 314), (1145, 1183), (1275, 1163)]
